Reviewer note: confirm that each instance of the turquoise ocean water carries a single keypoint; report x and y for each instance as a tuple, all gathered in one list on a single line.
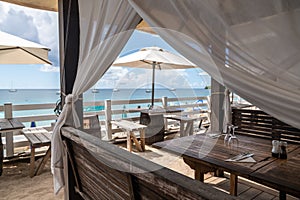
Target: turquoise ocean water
[(43, 96)]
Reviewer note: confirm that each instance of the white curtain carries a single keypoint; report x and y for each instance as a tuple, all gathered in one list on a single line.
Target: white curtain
[(105, 27), (252, 47)]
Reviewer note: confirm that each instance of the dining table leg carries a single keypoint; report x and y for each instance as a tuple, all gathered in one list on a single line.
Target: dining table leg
[(199, 174), (233, 184), (282, 195)]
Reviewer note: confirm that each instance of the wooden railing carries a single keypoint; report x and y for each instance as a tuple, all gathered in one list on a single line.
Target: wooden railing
[(111, 109)]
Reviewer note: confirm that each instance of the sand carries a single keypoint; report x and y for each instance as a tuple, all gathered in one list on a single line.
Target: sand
[(15, 182)]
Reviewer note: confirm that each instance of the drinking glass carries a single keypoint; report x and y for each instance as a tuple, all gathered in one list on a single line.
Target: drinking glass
[(233, 142), (228, 134)]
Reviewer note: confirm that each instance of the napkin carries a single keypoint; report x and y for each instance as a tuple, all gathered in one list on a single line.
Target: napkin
[(245, 160), (243, 157)]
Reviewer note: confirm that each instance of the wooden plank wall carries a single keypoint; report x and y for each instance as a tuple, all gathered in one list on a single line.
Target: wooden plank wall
[(260, 124), (105, 171)]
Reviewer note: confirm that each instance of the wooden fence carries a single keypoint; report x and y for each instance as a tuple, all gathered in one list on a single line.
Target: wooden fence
[(113, 109)]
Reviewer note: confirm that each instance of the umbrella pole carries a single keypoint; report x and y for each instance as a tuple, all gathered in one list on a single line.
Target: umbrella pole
[(153, 80)]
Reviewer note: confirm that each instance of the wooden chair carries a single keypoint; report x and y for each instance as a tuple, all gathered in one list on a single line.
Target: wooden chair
[(92, 126)]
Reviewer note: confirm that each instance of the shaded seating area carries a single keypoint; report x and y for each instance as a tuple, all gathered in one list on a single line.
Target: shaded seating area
[(109, 172)]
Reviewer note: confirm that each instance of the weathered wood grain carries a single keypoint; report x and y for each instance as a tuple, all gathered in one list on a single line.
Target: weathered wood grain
[(259, 124), (103, 171), (203, 154)]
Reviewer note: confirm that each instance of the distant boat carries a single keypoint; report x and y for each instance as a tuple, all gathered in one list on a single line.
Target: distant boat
[(95, 90), (148, 90), (57, 92), (116, 90), (12, 90), (172, 89)]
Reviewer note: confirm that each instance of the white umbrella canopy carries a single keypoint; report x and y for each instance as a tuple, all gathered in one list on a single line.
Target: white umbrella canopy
[(16, 50), (152, 58)]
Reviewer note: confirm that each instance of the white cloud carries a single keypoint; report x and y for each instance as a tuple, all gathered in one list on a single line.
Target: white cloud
[(49, 68), (31, 24)]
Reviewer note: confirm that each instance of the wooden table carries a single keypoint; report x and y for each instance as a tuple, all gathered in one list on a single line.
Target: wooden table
[(7, 126), (186, 124), (130, 127), (37, 137), (205, 154)]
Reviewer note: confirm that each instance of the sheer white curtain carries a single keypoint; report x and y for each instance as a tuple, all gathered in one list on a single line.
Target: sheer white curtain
[(105, 27), (252, 47)]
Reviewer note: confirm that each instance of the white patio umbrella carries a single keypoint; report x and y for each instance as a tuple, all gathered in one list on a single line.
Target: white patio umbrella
[(152, 58), (15, 50)]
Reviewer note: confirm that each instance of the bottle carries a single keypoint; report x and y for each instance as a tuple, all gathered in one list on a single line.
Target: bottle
[(275, 148), (283, 153)]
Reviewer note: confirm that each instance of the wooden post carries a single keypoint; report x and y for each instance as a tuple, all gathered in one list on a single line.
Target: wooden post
[(9, 136), (217, 100), (69, 50), (164, 101), (108, 118), (69, 56)]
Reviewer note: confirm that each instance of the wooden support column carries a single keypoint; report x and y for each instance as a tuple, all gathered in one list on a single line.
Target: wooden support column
[(69, 35), (217, 101), (164, 101), (9, 136), (108, 118), (69, 49)]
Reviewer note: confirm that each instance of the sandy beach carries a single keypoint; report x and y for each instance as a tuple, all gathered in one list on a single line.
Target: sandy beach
[(15, 182)]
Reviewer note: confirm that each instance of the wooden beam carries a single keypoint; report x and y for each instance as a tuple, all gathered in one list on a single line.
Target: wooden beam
[(217, 100)]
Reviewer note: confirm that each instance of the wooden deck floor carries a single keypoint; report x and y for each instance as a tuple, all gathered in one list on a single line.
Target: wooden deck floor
[(246, 189)]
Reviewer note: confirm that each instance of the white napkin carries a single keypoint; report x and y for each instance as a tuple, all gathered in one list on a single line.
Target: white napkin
[(243, 157), (245, 160)]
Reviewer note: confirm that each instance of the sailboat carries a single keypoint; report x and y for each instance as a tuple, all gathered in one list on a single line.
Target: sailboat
[(148, 91), (95, 90), (12, 89)]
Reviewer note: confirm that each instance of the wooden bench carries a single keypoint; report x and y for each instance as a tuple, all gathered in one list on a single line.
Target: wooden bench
[(129, 127), (95, 169), (257, 123), (37, 137)]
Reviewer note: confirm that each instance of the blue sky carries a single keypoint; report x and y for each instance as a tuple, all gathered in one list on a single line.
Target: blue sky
[(42, 27)]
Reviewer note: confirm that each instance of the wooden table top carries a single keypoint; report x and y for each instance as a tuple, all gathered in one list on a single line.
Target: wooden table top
[(128, 125), (212, 152), (10, 124)]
